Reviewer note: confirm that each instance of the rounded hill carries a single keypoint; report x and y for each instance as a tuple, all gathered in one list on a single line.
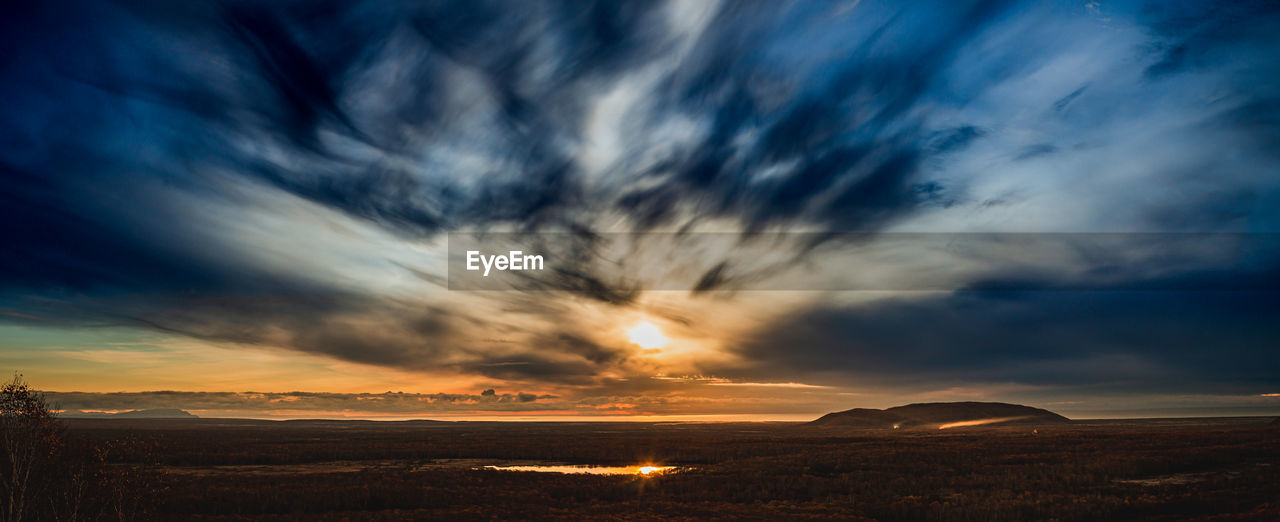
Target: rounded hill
[(941, 415)]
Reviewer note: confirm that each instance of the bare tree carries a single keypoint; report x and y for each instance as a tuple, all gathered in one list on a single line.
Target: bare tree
[(29, 436)]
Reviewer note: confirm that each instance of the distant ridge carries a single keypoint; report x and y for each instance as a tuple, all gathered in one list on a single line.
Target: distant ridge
[(940, 415), (158, 413)]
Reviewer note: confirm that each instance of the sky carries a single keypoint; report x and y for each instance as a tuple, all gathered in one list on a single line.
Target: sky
[(751, 209)]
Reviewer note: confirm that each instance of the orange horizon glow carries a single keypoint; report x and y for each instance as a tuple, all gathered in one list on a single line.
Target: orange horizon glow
[(515, 416)]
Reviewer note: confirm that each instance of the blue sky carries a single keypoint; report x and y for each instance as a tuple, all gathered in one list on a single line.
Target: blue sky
[(256, 198)]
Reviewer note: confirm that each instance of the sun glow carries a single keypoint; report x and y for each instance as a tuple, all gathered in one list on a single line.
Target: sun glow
[(646, 335)]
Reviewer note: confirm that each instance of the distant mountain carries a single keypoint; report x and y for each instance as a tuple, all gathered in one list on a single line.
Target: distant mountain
[(158, 413), (867, 417), (940, 415)]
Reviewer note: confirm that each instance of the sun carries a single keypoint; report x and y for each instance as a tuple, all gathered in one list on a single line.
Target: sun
[(646, 470), (646, 335)]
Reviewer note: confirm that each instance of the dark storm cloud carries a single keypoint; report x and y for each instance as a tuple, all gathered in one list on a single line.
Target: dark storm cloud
[(142, 143), (1109, 326), (1169, 341)]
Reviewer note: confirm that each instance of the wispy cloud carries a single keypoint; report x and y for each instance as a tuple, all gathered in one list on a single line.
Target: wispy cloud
[(281, 176)]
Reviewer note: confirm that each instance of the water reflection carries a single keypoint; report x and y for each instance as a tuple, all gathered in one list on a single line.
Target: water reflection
[(592, 470)]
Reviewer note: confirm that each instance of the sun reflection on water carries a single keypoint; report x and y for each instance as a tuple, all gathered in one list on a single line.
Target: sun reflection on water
[(645, 470)]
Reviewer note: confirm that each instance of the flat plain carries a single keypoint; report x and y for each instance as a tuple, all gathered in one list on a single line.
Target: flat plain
[(1154, 469)]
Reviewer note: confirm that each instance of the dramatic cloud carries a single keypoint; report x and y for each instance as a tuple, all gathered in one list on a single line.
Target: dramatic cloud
[(284, 175), (1132, 340)]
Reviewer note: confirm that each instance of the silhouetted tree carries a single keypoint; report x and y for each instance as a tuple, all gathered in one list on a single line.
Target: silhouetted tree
[(29, 440)]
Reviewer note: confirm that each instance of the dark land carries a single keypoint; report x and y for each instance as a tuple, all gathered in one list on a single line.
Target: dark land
[(162, 413), (940, 414), (1153, 469)]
